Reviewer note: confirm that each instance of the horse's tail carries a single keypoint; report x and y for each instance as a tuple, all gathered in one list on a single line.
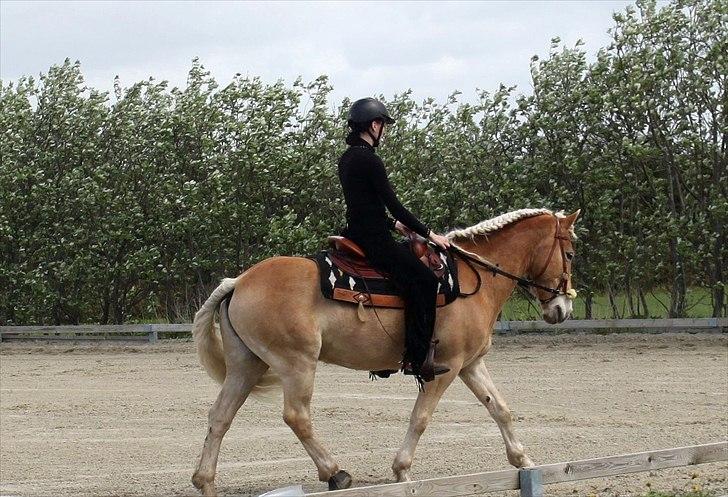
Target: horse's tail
[(209, 343)]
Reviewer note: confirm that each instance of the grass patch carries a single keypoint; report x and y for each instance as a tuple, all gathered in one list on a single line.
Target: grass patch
[(699, 305)]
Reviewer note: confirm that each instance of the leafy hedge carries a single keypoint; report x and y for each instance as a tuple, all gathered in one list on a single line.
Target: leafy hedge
[(132, 205)]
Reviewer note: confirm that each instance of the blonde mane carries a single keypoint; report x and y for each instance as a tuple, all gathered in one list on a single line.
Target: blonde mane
[(498, 222)]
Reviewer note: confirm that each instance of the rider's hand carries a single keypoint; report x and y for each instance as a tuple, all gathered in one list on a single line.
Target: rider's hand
[(439, 240)]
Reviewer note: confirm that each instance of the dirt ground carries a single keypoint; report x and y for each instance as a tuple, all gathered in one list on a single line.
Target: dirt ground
[(107, 419)]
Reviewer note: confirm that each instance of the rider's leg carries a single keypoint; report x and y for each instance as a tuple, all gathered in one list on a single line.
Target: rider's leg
[(418, 286)]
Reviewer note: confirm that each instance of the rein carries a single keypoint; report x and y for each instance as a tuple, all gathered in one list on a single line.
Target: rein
[(469, 258)]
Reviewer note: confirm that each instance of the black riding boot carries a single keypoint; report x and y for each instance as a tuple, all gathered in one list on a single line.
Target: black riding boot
[(429, 368)]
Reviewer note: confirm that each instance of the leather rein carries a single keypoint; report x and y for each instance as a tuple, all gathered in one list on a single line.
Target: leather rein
[(560, 289)]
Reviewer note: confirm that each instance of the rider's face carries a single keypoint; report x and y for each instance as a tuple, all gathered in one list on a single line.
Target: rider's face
[(376, 126)]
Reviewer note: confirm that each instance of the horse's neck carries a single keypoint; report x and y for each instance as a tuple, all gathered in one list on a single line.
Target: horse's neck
[(510, 250)]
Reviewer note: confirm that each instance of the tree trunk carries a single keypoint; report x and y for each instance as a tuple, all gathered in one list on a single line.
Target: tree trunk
[(717, 283), (676, 209), (633, 313), (105, 306), (588, 306), (613, 303), (677, 290), (645, 307)]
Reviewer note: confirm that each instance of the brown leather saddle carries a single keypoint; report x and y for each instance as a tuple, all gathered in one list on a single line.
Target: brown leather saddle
[(350, 258)]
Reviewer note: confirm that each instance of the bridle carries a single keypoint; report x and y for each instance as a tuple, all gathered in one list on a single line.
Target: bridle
[(560, 289)]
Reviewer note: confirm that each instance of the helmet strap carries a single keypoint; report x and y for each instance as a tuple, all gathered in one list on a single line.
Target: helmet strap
[(375, 139)]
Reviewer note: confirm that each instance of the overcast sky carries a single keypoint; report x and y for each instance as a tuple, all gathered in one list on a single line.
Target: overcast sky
[(366, 48)]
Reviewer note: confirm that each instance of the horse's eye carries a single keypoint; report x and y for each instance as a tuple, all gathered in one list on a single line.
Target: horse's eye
[(569, 255)]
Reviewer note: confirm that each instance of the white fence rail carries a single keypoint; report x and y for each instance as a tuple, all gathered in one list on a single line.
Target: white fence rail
[(648, 325), (531, 481), (133, 332), (150, 332)]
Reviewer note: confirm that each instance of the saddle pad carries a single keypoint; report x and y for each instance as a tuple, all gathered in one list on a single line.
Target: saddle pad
[(337, 284)]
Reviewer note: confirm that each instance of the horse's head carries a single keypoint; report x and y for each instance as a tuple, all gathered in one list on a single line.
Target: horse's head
[(551, 269)]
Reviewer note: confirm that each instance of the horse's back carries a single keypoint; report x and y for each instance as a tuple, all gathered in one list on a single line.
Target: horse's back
[(282, 269)]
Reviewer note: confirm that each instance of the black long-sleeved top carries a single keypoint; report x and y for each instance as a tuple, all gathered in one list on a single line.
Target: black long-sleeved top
[(367, 191)]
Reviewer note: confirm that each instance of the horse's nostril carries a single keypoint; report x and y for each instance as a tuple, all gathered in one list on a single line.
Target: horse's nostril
[(559, 313)]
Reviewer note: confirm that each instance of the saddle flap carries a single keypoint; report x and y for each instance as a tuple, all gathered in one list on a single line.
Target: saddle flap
[(356, 265)]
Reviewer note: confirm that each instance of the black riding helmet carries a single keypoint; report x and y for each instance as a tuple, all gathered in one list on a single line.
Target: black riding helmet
[(366, 110), (363, 112)]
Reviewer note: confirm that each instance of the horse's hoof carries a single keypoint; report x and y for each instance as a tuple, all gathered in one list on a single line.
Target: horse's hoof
[(207, 487), (403, 475), (340, 480)]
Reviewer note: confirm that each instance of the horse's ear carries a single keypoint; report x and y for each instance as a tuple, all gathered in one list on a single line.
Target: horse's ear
[(570, 220)]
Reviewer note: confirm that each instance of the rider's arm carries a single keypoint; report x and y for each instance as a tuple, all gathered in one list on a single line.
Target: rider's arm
[(378, 176)]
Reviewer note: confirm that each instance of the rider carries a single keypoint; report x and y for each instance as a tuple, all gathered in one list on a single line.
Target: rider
[(367, 191)]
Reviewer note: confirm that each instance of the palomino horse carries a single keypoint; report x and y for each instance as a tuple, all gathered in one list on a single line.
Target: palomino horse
[(277, 322)]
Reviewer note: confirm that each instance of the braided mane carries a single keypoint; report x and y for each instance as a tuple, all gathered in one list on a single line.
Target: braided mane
[(498, 222)]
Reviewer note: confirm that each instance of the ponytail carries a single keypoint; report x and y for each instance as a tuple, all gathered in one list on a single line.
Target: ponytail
[(352, 137)]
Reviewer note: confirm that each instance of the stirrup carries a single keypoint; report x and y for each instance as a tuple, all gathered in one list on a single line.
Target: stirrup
[(429, 368)]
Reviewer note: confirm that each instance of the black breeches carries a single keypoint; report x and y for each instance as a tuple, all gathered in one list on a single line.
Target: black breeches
[(417, 285)]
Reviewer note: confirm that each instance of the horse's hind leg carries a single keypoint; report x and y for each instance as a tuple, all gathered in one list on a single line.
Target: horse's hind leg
[(424, 407), (243, 371), (297, 381), (478, 380)]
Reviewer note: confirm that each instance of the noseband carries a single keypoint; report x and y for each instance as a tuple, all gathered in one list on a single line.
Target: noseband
[(561, 288)]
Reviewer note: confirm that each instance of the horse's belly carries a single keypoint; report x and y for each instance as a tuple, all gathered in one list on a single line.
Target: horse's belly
[(351, 343), (364, 361)]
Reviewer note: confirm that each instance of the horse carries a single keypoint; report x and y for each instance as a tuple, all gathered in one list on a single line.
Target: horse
[(276, 323)]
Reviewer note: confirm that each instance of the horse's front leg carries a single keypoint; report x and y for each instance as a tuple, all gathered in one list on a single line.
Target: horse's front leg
[(424, 407), (477, 378)]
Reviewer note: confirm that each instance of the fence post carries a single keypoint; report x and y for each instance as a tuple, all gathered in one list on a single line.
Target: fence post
[(530, 482), (152, 333)]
